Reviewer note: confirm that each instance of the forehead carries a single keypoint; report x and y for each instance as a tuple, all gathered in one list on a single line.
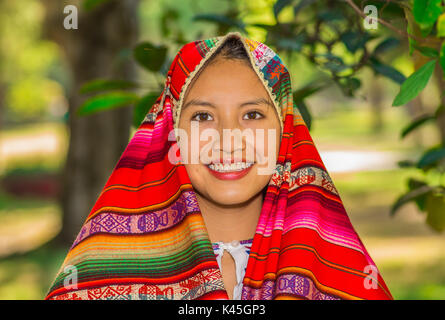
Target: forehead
[(227, 79)]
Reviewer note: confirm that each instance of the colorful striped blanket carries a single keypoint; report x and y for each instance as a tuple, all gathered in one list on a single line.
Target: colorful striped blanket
[(145, 237)]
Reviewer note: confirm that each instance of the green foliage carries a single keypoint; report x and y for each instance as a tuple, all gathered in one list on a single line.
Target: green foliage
[(417, 194), (419, 121), (441, 25), (415, 84), (431, 158), (426, 12), (150, 56), (428, 197), (107, 101), (427, 51), (386, 70), (385, 45), (442, 56)]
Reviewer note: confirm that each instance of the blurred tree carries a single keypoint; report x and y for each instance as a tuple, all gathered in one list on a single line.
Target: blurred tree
[(107, 30)]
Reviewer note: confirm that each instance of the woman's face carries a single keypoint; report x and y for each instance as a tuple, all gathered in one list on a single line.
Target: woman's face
[(228, 100)]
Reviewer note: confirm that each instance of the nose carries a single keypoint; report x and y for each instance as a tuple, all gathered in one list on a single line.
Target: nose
[(232, 143)]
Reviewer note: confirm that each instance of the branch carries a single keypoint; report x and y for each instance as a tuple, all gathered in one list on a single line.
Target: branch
[(385, 23)]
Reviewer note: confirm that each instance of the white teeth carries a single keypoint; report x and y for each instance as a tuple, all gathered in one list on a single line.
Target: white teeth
[(227, 167)]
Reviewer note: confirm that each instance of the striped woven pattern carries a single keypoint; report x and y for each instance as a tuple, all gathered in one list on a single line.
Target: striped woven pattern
[(145, 237)]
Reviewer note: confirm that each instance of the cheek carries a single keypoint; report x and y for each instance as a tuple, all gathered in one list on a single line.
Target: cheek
[(268, 143), (194, 151)]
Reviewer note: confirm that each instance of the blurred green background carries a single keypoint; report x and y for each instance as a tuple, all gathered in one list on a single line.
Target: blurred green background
[(54, 163)]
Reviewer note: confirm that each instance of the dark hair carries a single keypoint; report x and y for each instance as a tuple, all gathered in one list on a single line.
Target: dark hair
[(232, 49)]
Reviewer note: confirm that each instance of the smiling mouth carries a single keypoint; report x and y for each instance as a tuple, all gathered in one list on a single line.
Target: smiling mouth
[(230, 171), (230, 167)]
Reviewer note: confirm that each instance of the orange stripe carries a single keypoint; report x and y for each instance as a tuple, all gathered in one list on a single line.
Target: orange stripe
[(142, 209), (191, 223)]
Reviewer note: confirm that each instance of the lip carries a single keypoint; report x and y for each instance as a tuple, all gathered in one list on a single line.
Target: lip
[(232, 175)]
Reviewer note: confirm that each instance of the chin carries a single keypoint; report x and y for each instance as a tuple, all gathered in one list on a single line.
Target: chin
[(231, 197), (226, 192)]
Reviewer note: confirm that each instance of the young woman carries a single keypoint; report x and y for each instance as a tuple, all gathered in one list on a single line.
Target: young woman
[(190, 213)]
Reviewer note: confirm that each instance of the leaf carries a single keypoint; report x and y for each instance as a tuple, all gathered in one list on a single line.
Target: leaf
[(106, 85), (427, 51), (435, 208), (426, 30), (441, 25), (421, 200), (414, 84), (354, 40), (406, 164), (410, 196), (431, 157), (280, 5), (143, 107), (419, 121), (385, 45), (331, 15), (426, 12), (92, 4), (349, 85), (306, 91), (150, 56), (386, 71), (106, 102), (333, 63)]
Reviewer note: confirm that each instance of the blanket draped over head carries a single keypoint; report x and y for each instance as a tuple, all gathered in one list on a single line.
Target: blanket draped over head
[(145, 237)]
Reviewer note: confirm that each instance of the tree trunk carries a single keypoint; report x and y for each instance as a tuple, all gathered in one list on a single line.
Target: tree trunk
[(92, 51)]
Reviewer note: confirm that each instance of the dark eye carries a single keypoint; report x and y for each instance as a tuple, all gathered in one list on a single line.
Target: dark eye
[(201, 116), (252, 115)]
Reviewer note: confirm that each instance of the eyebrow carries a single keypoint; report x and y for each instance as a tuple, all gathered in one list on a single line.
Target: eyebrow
[(198, 102)]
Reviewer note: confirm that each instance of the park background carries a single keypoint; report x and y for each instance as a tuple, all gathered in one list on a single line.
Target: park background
[(54, 160)]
